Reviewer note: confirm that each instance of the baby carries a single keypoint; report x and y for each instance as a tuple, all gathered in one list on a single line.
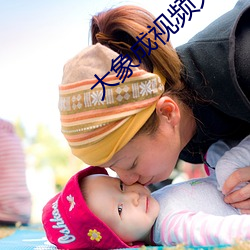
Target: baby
[(96, 211)]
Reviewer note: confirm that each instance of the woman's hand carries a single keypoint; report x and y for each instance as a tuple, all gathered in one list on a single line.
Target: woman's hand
[(241, 197)]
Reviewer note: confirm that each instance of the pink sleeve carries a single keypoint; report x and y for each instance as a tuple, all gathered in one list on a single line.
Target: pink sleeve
[(201, 229), (15, 200)]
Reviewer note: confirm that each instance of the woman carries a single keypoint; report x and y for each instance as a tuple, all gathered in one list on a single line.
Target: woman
[(206, 96)]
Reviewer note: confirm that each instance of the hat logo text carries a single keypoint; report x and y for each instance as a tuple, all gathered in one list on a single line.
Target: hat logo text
[(67, 237)]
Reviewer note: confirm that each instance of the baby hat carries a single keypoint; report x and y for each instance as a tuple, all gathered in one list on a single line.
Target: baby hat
[(69, 223), (97, 125)]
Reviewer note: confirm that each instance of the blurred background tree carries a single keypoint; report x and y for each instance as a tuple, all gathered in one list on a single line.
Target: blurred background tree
[(44, 150)]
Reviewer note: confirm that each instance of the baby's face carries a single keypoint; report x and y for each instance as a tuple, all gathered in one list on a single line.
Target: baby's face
[(130, 211)]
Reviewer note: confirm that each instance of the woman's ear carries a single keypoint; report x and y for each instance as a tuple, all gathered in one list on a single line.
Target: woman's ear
[(168, 110)]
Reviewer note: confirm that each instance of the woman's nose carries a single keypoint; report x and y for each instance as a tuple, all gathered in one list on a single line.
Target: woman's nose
[(126, 177)]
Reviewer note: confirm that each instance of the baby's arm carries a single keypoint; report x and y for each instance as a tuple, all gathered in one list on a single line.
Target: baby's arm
[(237, 157), (201, 229)]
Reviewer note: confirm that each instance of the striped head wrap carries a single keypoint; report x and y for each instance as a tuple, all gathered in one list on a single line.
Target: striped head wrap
[(96, 129)]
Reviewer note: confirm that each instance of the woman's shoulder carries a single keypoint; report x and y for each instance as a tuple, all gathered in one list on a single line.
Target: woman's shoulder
[(209, 65)]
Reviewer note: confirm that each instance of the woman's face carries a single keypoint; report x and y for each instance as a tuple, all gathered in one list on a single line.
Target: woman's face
[(147, 159)]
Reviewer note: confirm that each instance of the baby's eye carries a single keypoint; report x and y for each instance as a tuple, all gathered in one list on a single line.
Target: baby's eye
[(120, 206), (121, 186)]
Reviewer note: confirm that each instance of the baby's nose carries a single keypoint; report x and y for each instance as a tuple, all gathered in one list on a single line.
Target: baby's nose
[(133, 197)]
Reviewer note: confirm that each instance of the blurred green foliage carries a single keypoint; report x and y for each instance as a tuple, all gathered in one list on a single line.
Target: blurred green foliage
[(45, 150)]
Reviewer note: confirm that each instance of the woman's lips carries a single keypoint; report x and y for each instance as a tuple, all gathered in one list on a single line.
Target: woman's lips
[(148, 183)]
